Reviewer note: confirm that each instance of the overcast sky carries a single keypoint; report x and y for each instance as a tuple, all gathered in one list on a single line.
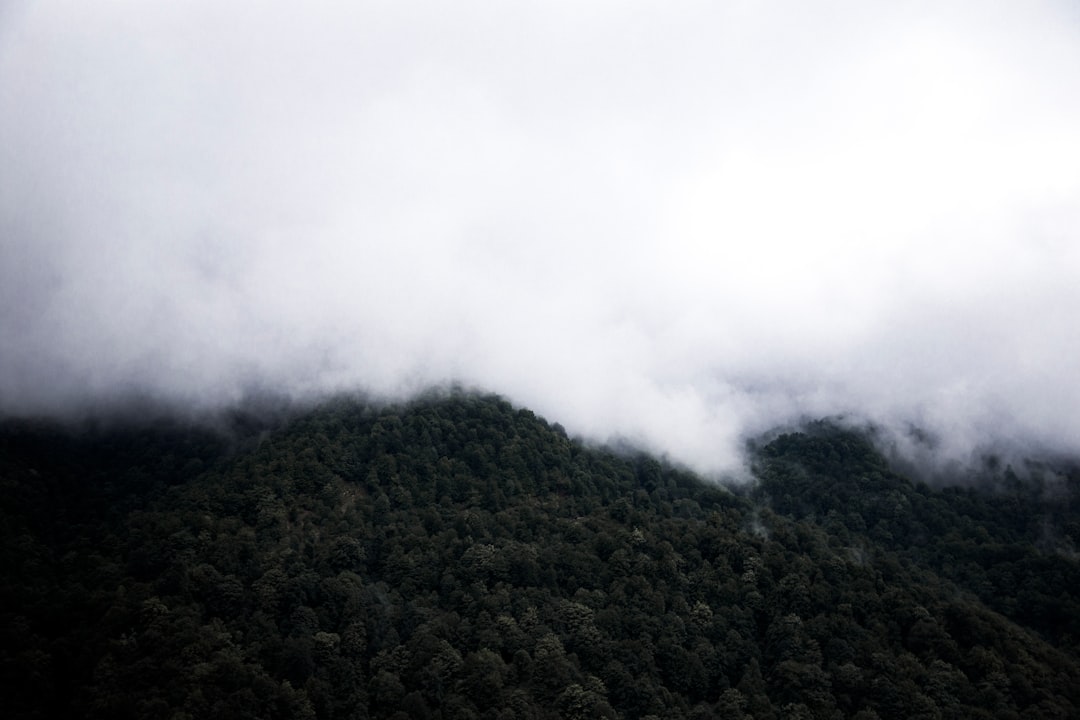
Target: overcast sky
[(680, 223)]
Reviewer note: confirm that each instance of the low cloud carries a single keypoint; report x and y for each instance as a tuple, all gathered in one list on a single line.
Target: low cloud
[(681, 226)]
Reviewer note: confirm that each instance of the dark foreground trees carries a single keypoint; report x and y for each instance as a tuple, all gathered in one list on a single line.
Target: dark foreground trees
[(461, 558)]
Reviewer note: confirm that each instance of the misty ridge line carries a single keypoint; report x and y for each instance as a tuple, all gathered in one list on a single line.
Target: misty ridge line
[(683, 227), (242, 425)]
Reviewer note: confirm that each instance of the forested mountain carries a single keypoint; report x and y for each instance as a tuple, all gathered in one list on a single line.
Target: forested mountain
[(457, 557)]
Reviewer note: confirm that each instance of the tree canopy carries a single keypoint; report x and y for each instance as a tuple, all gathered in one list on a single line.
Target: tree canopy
[(458, 557)]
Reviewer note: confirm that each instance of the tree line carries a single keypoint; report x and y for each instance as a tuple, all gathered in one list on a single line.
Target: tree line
[(458, 557)]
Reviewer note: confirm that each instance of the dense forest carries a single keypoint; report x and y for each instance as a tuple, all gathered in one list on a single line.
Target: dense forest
[(457, 557)]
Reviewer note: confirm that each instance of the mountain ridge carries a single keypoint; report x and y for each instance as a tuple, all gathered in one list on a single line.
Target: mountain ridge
[(461, 557)]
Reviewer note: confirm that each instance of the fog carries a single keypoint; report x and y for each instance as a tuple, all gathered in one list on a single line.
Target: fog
[(676, 224)]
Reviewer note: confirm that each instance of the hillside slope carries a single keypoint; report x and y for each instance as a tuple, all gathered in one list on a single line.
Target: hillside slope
[(461, 558)]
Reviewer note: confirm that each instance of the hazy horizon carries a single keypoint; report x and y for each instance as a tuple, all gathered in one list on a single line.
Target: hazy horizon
[(681, 225)]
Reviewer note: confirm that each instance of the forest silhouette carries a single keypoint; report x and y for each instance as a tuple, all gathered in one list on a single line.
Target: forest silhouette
[(458, 557)]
